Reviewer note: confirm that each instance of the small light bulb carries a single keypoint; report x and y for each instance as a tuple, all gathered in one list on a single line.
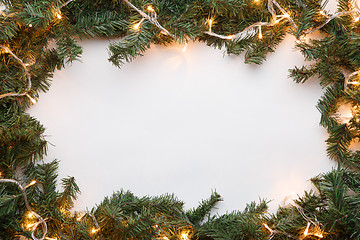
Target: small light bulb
[(137, 26), (307, 229), (94, 230), (33, 101), (58, 15), (30, 215), (357, 19), (30, 25), (260, 33), (31, 183), (30, 226), (150, 8), (210, 22), (163, 32), (256, 1), (184, 236), (267, 227), (322, 12)]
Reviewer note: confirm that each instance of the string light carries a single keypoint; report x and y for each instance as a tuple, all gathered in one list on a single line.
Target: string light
[(357, 19), (94, 230), (30, 184), (150, 8), (58, 15), (152, 18), (267, 227), (32, 227), (185, 236), (30, 25), (210, 22), (251, 31), (31, 99), (260, 33), (137, 26), (346, 82), (307, 229)]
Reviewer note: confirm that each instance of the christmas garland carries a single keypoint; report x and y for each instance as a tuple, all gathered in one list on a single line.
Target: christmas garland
[(32, 207)]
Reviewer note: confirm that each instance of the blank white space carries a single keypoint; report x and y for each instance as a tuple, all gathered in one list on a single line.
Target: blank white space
[(185, 123)]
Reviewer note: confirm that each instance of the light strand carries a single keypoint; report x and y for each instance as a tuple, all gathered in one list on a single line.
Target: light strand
[(336, 15), (152, 19), (97, 227), (66, 3), (41, 220), (28, 76), (251, 30)]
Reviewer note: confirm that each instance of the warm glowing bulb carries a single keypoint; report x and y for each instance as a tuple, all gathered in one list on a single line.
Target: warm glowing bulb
[(356, 19), (319, 235), (30, 25), (137, 26), (184, 236), (30, 184), (322, 12), (267, 227), (150, 8), (33, 101), (307, 229), (58, 15), (210, 22), (30, 226), (230, 37), (256, 1), (94, 230), (286, 15), (30, 215), (260, 33)]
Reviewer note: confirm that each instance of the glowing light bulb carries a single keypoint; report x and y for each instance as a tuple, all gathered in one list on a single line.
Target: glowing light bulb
[(150, 8), (210, 22), (322, 12), (30, 215), (137, 26), (267, 227), (260, 33), (357, 19), (230, 37), (31, 226), (33, 181), (306, 232), (33, 101), (58, 15), (94, 230), (30, 25), (184, 236), (256, 1)]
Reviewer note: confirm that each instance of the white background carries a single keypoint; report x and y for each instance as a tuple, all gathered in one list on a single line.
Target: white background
[(185, 123)]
